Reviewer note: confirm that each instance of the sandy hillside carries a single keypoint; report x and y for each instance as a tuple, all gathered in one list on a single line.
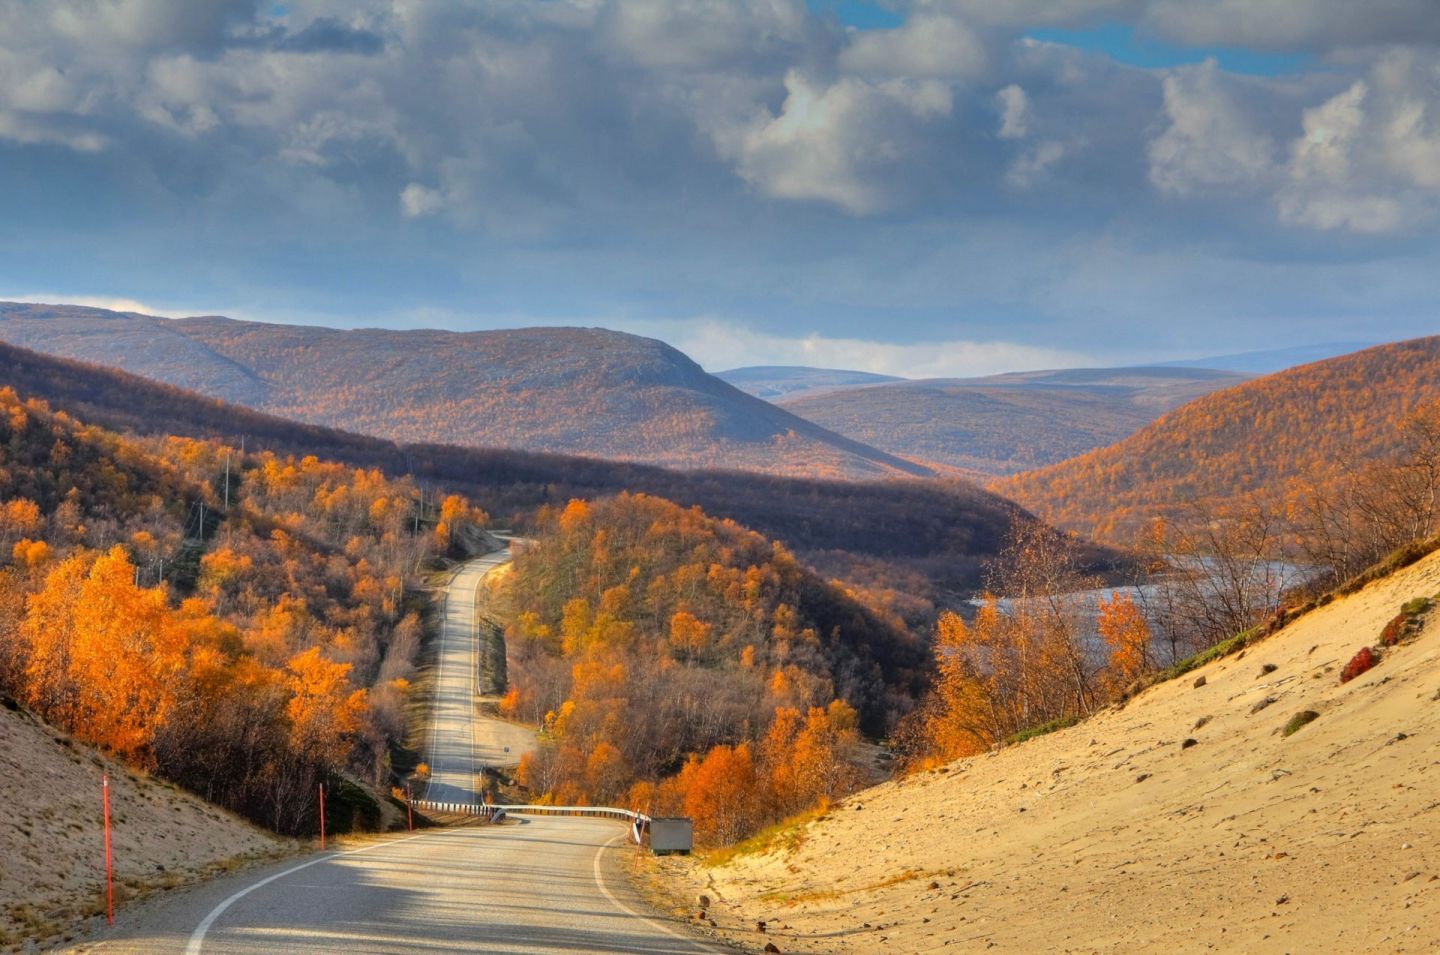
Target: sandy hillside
[(1113, 836), (51, 837)]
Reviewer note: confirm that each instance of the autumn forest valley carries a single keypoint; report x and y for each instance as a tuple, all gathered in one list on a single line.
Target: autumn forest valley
[(242, 605)]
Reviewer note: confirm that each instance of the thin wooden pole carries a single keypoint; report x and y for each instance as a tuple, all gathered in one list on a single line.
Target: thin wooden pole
[(109, 867)]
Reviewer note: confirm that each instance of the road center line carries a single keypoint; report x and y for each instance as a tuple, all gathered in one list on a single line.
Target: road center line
[(197, 938)]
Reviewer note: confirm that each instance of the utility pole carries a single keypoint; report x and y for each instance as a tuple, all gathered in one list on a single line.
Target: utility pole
[(201, 533), (227, 481)]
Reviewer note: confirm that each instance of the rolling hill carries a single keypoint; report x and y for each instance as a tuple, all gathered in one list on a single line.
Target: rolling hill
[(1247, 442), (1006, 423), (773, 382), (925, 538), (564, 390)]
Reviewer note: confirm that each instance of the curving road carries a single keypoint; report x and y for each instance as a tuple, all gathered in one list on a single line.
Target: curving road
[(545, 886), (460, 742)]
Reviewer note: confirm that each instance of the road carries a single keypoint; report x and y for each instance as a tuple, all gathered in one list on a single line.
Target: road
[(460, 740), (547, 885), (543, 885)]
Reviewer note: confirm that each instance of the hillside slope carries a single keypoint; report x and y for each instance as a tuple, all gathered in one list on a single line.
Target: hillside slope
[(919, 537), (1249, 441), (1114, 837), (1007, 423), (51, 836), (570, 390)]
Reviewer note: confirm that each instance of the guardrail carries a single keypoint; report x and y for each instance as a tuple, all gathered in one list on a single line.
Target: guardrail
[(637, 820), (488, 809)]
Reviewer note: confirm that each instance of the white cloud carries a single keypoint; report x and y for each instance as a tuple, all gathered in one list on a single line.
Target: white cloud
[(1210, 142), (108, 302), (924, 45), (1034, 164), (848, 143), (719, 345), (1368, 160), (418, 201), (1014, 112)]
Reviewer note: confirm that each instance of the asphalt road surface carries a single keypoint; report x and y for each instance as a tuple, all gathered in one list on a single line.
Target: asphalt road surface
[(461, 742), (540, 886)]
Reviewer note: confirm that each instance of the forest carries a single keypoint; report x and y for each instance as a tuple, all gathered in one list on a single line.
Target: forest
[(1258, 443), (241, 624), (676, 662), (246, 624)]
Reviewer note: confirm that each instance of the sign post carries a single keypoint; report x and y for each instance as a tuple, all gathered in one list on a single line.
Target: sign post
[(322, 817), (109, 870)]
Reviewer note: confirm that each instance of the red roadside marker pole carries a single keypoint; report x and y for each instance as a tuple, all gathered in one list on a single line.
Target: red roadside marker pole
[(322, 816), (109, 871)]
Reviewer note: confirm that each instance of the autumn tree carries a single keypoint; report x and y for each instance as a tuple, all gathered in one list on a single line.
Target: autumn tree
[(106, 656), (1122, 628)]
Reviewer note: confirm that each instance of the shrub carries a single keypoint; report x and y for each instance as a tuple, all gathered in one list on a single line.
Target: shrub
[(1044, 729), (1300, 719), (1359, 663), (1394, 630)]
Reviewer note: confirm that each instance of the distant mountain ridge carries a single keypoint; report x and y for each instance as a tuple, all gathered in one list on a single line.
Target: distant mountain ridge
[(773, 382), (1007, 423), (928, 538), (1271, 360), (565, 390)]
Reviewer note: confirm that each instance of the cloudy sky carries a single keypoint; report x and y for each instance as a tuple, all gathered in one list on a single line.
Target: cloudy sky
[(926, 187)]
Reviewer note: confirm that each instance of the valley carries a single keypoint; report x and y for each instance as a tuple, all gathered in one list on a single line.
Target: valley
[(627, 605), (1004, 424), (771, 476)]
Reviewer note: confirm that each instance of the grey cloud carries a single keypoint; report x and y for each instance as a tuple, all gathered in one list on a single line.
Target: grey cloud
[(1315, 25), (1295, 24), (686, 155), (321, 35)]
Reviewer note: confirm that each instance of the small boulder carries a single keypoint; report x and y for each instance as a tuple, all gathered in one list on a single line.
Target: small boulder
[(1199, 681)]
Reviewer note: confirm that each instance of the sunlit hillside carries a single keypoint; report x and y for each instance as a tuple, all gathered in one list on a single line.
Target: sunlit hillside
[(569, 390), (1297, 430)]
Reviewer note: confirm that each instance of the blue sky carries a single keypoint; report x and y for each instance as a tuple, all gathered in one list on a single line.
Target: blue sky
[(928, 187)]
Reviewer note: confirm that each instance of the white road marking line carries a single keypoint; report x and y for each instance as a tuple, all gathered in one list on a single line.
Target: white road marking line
[(694, 944), (197, 938)]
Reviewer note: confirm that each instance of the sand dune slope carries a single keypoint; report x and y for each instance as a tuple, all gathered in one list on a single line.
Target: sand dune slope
[(52, 838), (1115, 837)]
